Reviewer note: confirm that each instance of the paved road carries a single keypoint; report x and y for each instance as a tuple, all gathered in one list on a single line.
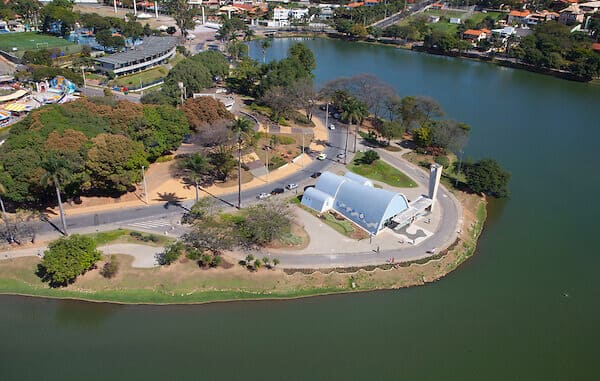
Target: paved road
[(447, 232), (150, 216), (171, 210)]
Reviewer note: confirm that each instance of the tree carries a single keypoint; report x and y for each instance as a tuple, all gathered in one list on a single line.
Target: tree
[(211, 235), (243, 131), (182, 13), (56, 171), (486, 176), (171, 253), (222, 162), (343, 26), (358, 31), (449, 135), (110, 268), (114, 162), (67, 258), (302, 95), (105, 38), (19, 227), (264, 222), (389, 130), (214, 61), (198, 170), (194, 77), (264, 45), (201, 112), (276, 262), (304, 55), (422, 136), (58, 17), (354, 112), (369, 157), (237, 49)]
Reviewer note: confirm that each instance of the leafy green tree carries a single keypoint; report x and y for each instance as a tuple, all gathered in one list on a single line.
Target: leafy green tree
[(264, 45), (343, 26), (222, 162), (105, 38), (264, 223), (390, 130), (214, 61), (67, 258), (257, 264), (243, 134), (194, 77), (369, 157), (487, 176), (58, 17), (182, 13), (358, 31), (304, 55), (276, 262), (114, 162), (210, 235), (57, 171), (197, 169), (171, 253), (163, 130), (237, 49), (422, 136)]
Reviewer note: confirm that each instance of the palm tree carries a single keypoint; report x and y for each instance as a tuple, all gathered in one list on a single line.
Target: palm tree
[(198, 166), (56, 173), (265, 44), (243, 129), (354, 111)]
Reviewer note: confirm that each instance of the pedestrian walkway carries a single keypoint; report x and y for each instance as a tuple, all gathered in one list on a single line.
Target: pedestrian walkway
[(151, 224)]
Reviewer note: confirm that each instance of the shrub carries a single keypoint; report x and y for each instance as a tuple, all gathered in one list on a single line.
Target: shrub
[(369, 157), (443, 161), (171, 254), (110, 268)]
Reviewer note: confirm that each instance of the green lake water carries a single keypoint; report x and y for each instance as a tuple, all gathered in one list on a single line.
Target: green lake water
[(525, 307)]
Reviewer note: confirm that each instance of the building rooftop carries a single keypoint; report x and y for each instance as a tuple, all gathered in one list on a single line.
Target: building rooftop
[(151, 46)]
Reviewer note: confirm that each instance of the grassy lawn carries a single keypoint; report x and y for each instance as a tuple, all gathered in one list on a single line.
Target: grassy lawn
[(287, 148), (143, 77), (342, 225), (129, 236), (380, 171), (30, 40), (444, 27)]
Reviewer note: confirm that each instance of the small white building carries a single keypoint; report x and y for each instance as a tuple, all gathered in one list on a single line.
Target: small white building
[(280, 13)]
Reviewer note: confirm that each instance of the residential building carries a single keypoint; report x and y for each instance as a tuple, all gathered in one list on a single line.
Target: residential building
[(590, 7), (571, 15), (476, 35), (280, 13), (541, 17), (518, 17)]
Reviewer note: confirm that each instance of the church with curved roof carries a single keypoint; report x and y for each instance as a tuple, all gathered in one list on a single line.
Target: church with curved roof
[(355, 198)]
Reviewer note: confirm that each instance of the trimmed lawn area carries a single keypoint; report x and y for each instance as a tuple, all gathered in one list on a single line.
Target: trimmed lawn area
[(129, 236), (32, 40), (380, 171), (143, 77)]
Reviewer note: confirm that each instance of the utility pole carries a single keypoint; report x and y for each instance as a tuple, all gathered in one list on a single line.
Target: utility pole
[(83, 74), (145, 186), (346, 145), (115, 5), (268, 149), (355, 137), (327, 115), (134, 8), (302, 149), (156, 9), (239, 205), (181, 88)]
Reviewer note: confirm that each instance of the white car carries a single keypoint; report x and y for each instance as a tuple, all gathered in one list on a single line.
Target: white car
[(322, 156), (262, 196), (291, 186), (341, 155), (332, 126)]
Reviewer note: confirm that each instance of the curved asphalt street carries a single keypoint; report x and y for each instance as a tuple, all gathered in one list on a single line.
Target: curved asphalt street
[(444, 236)]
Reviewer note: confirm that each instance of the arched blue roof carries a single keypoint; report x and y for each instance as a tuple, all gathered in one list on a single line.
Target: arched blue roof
[(315, 199), (358, 178), (368, 207), (329, 183)]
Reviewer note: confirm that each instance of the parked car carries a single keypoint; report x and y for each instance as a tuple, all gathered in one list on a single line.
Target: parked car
[(341, 155), (315, 175), (262, 196), (322, 156), (277, 191), (332, 126), (291, 186)]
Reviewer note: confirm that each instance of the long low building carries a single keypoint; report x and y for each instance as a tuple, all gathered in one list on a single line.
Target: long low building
[(153, 51)]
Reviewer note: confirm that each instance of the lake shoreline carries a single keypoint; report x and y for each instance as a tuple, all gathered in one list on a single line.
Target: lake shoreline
[(470, 57), (291, 284)]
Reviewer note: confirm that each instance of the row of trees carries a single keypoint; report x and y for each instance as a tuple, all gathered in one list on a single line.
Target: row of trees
[(552, 45), (93, 146)]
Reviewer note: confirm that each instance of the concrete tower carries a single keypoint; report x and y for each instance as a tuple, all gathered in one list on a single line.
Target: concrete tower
[(435, 174)]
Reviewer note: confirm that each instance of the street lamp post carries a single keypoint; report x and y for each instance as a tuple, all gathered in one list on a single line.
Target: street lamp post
[(459, 165), (145, 186), (327, 115)]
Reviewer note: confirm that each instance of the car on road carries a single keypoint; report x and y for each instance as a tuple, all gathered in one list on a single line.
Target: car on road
[(277, 191), (263, 195), (315, 175), (341, 155), (332, 126), (292, 186), (322, 156)]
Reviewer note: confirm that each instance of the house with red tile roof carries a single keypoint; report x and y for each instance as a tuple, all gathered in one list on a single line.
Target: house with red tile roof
[(355, 4), (476, 35), (596, 47), (518, 17)]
